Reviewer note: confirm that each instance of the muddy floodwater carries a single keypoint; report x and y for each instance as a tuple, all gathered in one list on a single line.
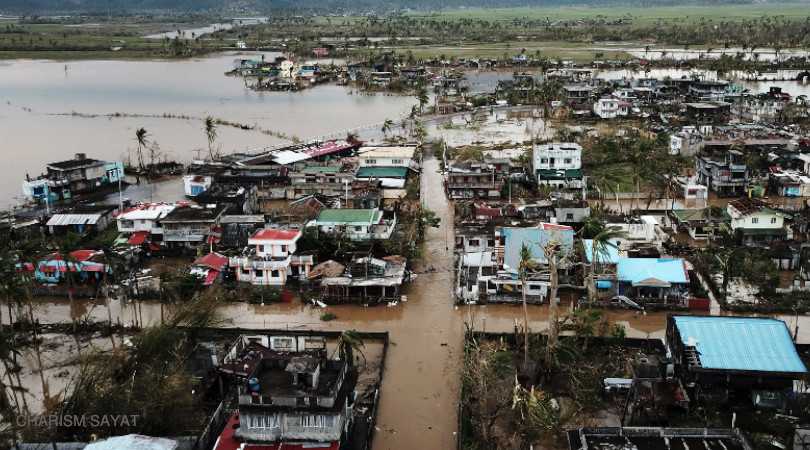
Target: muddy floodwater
[(50, 110), (420, 393)]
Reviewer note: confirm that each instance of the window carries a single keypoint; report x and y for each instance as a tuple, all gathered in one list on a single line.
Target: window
[(283, 249), (371, 161), (259, 273), (263, 421), (543, 160), (274, 274), (474, 242), (261, 248), (568, 160), (282, 344), (773, 220), (569, 216), (246, 272), (755, 220), (315, 421), (358, 229)]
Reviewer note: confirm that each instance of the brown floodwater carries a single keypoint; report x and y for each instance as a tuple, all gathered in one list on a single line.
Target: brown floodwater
[(38, 99), (421, 387)]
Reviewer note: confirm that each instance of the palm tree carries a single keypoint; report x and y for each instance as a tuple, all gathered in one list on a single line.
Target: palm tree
[(348, 343), (526, 264), (386, 127), (600, 248), (211, 135), (142, 139), (550, 250), (422, 98)]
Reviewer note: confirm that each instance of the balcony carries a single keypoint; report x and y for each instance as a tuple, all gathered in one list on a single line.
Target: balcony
[(258, 263), (184, 236)]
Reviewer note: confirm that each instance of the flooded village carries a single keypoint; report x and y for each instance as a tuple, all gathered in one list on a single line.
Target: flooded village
[(305, 247)]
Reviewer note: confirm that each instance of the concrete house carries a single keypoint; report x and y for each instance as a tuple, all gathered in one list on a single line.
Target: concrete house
[(269, 259), (66, 179), (144, 219), (756, 223), (558, 165), (191, 226), (356, 224)]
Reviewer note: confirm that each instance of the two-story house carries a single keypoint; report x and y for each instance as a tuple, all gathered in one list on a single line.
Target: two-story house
[(291, 394), (754, 222), (65, 180), (469, 181), (191, 226), (269, 259), (558, 165), (356, 224), (723, 171), (400, 156), (610, 108), (142, 222)]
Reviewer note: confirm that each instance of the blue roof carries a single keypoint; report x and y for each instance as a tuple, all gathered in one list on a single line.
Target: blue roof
[(651, 271), (608, 255), (741, 343), (536, 239)]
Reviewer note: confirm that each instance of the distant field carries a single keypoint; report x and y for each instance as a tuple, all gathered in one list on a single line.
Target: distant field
[(578, 52), (642, 14)]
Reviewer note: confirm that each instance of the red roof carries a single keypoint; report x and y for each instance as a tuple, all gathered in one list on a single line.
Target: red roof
[(210, 277), (138, 238), (227, 441), (327, 149), (212, 261), (554, 226), (276, 235)]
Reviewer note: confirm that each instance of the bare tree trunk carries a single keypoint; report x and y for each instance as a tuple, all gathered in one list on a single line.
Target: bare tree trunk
[(525, 324), (551, 257)]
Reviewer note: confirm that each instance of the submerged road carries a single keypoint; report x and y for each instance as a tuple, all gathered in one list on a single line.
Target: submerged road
[(418, 403)]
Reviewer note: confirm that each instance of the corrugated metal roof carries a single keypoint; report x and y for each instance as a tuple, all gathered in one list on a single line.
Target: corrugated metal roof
[(740, 343), (382, 172), (644, 271), (62, 220)]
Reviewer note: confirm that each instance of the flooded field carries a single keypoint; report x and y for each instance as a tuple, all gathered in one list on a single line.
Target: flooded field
[(50, 110)]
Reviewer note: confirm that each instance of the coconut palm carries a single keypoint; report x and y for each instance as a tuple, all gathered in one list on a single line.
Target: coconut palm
[(211, 135), (422, 98), (142, 139), (386, 127), (526, 264), (551, 250), (600, 248), (348, 343)]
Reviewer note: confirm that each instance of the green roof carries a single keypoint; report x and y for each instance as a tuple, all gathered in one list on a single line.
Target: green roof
[(382, 172), (558, 174), (348, 215), (321, 169)]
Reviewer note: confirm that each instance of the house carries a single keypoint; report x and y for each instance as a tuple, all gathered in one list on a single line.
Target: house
[(699, 113), (322, 180), (474, 180), (194, 185), (87, 265), (789, 183), (723, 172), (687, 142), (81, 219), (754, 222), (210, 268), (269, 259), (399, 156), (291, 394), (700, 224), (558, 165), (65, 180), (237, 198), (366, 280), (191, 226), (655, 438), (610, 108), (390, 177), (236, 229), (658, 280), (356, 224), (510, 241), (750, 356), (144, 219)]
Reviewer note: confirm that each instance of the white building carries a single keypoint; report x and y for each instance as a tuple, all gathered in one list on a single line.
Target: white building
[(388, 157), (559, 165), (610, 108), (194, 185), (269, 258), (755, 222), (144, 217), (686, 142)]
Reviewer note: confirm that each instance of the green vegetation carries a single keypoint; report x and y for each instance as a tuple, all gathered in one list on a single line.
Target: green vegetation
[(328, 317)]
